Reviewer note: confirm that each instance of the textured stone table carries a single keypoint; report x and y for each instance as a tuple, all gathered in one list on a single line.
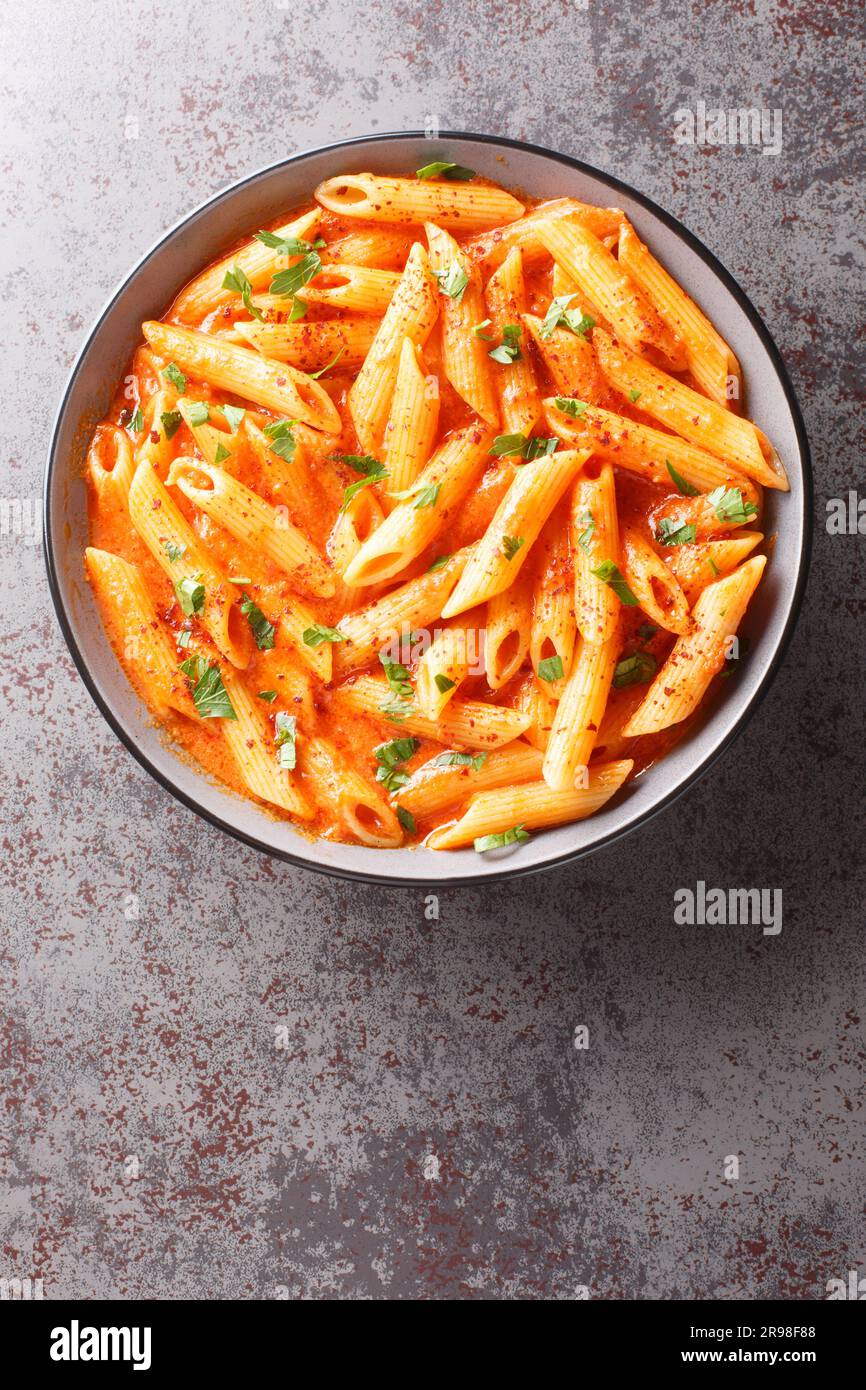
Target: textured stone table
[(423, 1125)]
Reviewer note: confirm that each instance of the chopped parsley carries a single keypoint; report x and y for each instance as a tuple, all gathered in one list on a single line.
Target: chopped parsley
[(571, 407), (559, 313), (669, 533), (460, 760), (286, 283), (317, 634), (511, 545), (634, 670), (314, 376), (283, 442), (452, 281), (515, 836), (479, 328), (439, 563), (509, 349), (679, 481), (551, 668), (268, 695), (176, 377), (173, 551), (448, 171), (610, 574), (288, 245), (198, 413), (209, 695), (263, 631), (407, 820), (509, 444), (222, 453), (443, 684), (424, 496), (634, 395), (729, 506), (234, 414), (373, 472), (236, 281), (285, 739), (190, 594), (587, 521), (171, 421), (136, 424), (390, 757)]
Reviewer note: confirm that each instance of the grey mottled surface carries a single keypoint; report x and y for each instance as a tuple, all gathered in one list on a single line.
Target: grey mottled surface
[(428, 1129)]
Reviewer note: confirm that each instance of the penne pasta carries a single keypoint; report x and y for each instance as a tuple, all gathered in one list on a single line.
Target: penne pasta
[(519, 399), (553, 630), (694, 417), (700, 654), (509, 618), (464, 355), (411, 314), (253, 744), (610, 291), (312, 346), (418, 519), (466, 723), (654, 455), (138, 632), (531, 805), (443, 667), (110, 465), (652, 583), (415, 604), (491, 248), (350, 799), (568, 358), (696, 566), (467, 206), (275, 385), (198, 581), (413, 421), (579, 713), (252, 520), (595, 548), (708, 357), (256, 260), (509, 538), (441, 784)]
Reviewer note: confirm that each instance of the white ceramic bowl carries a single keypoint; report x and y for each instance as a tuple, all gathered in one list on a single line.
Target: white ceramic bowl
[(256, 201)]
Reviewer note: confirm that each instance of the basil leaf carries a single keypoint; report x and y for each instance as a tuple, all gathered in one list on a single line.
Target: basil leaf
[(443, 684), (314, 376), (509, 349), (174, 552), (584, 540), (288, 246), (460, 760), (234, 414), (729, 505), (171, 422), (269, 695), (283, 442), (222, 453), (198, 413), (439, 563), (511, 545)]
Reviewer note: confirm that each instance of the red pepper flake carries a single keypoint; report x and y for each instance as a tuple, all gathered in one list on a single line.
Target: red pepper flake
[(156, 504), (154, 436)]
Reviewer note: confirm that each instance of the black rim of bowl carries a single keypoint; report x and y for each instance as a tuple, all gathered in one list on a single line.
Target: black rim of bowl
[(512, 869)]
